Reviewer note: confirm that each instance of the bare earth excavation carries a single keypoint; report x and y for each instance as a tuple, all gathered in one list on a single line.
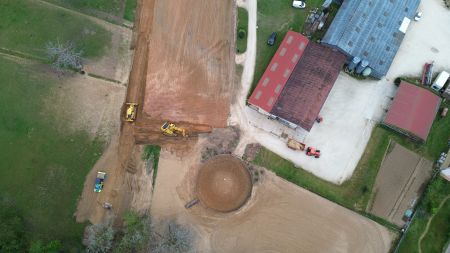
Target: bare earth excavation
[(183, 73)]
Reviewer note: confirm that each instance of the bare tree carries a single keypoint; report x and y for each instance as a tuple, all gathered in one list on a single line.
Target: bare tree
[(176, 238), (64, 55), (100, 238)]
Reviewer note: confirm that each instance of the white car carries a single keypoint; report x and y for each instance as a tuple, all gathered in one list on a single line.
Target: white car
[(418, 16), (298, 4)]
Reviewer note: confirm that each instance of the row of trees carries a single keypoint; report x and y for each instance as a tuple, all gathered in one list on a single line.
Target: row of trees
[(139, 235)]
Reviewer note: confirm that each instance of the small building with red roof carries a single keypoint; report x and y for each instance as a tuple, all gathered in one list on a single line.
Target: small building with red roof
[(297, 81), (413, 111)]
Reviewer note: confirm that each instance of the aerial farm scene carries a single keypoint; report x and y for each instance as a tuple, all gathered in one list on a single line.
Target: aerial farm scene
[(225, 126)]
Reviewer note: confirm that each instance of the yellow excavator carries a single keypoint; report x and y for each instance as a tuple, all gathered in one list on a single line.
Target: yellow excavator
[(130, 113), (170, 129)]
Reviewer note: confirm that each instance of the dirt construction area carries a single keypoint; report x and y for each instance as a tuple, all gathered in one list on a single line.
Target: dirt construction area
[(278, 217), (400, 181), (183, 68), (190, 62)]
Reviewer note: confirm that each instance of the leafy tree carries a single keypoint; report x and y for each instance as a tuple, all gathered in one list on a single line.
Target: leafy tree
[(176, 238), (100, 238), (51, 247), (12, 227), (136, 234)]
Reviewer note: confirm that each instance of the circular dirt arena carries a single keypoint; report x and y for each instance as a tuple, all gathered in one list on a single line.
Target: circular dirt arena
[(223, 183)]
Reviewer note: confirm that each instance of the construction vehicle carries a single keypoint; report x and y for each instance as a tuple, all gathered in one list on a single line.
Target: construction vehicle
[(131, 111), (170, 129), (310, 151), (295, 145), (99, 180)]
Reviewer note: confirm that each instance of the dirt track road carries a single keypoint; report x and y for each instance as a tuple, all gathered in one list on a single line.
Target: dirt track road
[(279, 217)]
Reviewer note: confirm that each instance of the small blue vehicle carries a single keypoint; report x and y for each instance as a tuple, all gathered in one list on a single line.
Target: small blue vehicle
[(99, 180)]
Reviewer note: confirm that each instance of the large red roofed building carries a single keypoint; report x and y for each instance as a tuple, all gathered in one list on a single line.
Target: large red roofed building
[(297, 81), (413, 111), (278, 72)]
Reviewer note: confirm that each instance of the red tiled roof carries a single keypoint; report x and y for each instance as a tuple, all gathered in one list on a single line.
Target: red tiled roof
[(309, 85), (278, 71), (413, 110)]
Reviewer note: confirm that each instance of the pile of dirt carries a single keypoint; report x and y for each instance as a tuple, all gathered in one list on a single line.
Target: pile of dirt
[(223, 183), (220, 141)]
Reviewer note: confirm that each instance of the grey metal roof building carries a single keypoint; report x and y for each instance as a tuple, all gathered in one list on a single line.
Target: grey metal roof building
[(371, 30)]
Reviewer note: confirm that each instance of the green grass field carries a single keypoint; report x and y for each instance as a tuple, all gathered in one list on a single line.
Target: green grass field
[(42, 169), (27, 26), (242, 24), (276, 16), (439, 230), (130, 10), (112, 7)]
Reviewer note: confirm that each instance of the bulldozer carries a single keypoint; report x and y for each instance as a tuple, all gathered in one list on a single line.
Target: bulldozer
[(130, 113), (170, 129)]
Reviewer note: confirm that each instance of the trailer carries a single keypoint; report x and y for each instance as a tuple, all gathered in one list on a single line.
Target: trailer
[(440, 81), (295, 145)]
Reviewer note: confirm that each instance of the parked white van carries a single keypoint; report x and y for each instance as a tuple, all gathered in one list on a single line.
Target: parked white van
[(440, 81), (298, 4)]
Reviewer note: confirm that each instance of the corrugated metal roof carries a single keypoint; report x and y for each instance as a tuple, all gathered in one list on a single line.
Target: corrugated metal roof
[(309, 85), (369, 29), (278, 71), (413, 110)]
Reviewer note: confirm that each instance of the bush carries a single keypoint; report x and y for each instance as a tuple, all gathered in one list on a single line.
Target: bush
[(12, 228), (40, 247), (242, 33), (136, 235), (176, 238), (100, 238)]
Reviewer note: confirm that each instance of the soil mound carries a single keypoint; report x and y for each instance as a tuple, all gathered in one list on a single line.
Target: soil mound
[(223, 183)]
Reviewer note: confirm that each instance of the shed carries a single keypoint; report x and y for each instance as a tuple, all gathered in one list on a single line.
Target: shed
[(413, 111), (371, 30)]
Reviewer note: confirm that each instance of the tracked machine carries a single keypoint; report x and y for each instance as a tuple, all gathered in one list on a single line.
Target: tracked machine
[(170, 129), (131, 111)]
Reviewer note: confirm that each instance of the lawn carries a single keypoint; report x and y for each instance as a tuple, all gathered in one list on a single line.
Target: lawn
[(42, 169), (439, 230), (242, 30), (276, 16), (93, 7), (130, 10), (27, 26)]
